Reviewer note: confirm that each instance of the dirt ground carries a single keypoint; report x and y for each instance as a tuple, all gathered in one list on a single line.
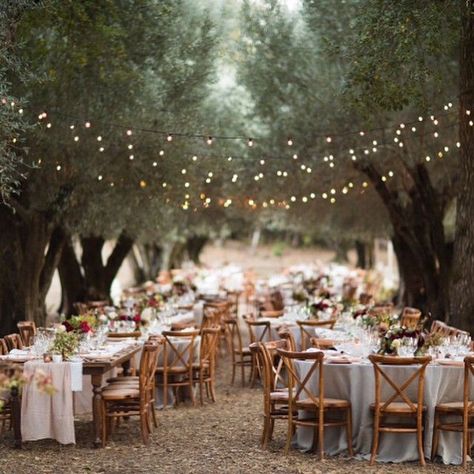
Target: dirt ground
[(221, 437)]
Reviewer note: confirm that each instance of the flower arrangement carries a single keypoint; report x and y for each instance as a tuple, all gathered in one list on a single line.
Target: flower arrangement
[(300, 295), (65, 343), (391, 339), (82, 324), (381, 321), (17, 380)]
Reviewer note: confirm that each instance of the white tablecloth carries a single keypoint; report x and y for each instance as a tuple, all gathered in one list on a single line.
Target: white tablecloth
[(356, 383)]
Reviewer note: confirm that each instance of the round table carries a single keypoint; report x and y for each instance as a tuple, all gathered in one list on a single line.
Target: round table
[(355, 382)]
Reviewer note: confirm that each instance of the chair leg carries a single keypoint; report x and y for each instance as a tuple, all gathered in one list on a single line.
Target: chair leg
[(264, 432), (289, 436), (321, 438), (242, 369), (201, 387), (233, 373), (435, 439), (144, 428), (165, 390), (349, 431), (375, 441), (191, 387), (270, 431), (103, 415), (419, 438)]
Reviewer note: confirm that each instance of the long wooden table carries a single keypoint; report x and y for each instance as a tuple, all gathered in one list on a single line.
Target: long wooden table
[(96, 369)]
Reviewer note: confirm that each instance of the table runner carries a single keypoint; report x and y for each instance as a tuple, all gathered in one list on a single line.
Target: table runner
[(48, 416)]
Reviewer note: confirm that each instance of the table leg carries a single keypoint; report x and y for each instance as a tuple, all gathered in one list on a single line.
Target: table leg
[(96, 381), (16, 416)]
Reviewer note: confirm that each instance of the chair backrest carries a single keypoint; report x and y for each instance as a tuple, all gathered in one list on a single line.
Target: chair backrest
[(307, 329), (235, 336), (298, 387), (271, 313), (258, 330), (27, 331), (399, 390), (211, 316), (286, 334), (468, 373), (208, 349), (410, 317), (179, 349), (148, 363), (271, 373), (3, 347), (439, 327), (13, 341)]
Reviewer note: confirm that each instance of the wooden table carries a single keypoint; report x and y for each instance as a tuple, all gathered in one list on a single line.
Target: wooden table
[(96, 369)]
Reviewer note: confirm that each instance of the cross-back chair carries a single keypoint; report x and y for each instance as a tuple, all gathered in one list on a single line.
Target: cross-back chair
[(440, 328), (275, 386), (3, 347), (410, 317), (302, 397), (13, 341), (259, 331), (176, 369), (204, 371), (124, 400), (463, 409), (27, 330), (307, 329), (241, 355), (405, 408)]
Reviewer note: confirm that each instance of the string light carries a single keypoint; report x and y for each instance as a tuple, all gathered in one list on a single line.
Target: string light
[(249, 143), (209, 140), (129, 133), (87, 125), (169, 137), (290, 142)]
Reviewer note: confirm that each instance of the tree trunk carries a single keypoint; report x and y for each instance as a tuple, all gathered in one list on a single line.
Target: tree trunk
[(411, 281), (194, 246), (462, 276), (73, 288), (99, 277), (361, 248), (31, 248)]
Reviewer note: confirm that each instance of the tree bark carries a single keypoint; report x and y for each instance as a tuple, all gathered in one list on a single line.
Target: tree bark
[(72, 280), (362, 260), (99, 276), (194, 247), (31, 246), (462, 277)]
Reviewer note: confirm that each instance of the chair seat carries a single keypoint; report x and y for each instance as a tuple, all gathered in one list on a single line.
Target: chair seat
[(397, 407), (244, 351), (120, 393), (328, 403), (173, 370), (127, 378), (204, 363), (279, 396), (453, 407)]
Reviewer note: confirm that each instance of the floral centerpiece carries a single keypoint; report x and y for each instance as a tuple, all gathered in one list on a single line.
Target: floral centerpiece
[(82, 324), (325, 308), (390, 340), (65, 343)]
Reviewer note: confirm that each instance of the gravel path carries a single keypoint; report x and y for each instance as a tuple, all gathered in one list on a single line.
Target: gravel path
[(221, 437)]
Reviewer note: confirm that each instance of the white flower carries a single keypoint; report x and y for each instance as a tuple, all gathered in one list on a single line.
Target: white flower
[(103, 318), (147, 315), (112, 315), (59, 328), (396, 343)]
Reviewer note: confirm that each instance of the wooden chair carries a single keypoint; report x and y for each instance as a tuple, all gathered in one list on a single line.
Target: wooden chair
[(440, 328), (285, 333), (3, 347), (271, 313), (259, 331), (404, 408), (204, 371), (324, 344), (301, 397), (307, 325), (410, 318), (463, 409), (241, 356), (275, 387), (132, 400), (178, 360), (27, 330), (13, 341)]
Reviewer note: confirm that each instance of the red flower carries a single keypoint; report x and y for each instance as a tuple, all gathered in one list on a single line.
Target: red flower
[(84, 327), (152, 302), (137, 318), (123, 317), (68, 326)]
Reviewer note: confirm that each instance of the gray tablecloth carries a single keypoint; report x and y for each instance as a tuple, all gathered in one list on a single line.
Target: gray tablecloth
[(356, 383)]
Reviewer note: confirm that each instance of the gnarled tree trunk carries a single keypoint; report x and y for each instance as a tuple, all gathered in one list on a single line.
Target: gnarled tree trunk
[(462, 277)]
